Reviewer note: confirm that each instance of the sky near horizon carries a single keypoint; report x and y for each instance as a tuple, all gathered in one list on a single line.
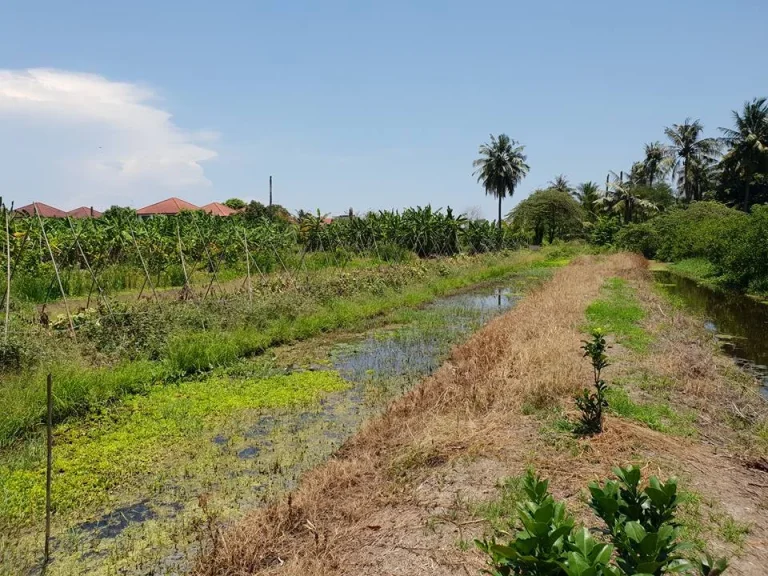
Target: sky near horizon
[(369, 105)]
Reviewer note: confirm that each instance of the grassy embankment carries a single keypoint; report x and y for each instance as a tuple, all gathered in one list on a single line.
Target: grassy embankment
[(189, 338), (442, 466)]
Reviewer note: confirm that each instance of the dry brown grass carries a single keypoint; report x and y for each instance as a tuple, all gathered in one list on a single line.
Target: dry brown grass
[(526, 355), (366, 510)]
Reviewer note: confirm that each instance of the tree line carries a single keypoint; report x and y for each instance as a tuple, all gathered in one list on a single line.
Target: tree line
[(687, 167)]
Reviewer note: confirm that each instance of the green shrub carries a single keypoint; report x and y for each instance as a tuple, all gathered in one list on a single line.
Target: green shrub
[(640, 238), (641, 524), (604, 230), (592, 404)]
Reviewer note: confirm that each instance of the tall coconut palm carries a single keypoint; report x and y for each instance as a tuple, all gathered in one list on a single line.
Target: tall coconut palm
[(588, 193), (501, 167), (748, 143), (687, 146), (560, 183), (655, 164)]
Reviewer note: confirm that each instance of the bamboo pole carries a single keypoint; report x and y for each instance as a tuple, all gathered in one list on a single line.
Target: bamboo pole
[(94, 280), (48, 468), (210, 260), (143, 264), (187, 286), (248, 267), (58, 277), (18, 257), (7, 271)]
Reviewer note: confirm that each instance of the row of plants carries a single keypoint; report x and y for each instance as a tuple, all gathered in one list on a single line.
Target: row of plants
[(131, 347), (125, 252)]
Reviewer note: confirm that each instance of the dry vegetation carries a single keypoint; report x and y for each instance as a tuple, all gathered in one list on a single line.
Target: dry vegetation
[(404, 496)]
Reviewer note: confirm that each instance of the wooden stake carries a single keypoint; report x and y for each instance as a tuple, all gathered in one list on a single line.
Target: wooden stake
[(7, 271), (143, 264), (248, 267), (58, 277), (94, 280), (183, 265), (48, 469)]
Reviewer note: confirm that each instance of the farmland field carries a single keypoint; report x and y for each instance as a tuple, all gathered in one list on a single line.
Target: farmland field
[(225, 399)]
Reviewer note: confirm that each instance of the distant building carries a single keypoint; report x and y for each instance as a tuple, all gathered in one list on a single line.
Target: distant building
[(167, 207), (44, 210), (84, 212), (218, 209)]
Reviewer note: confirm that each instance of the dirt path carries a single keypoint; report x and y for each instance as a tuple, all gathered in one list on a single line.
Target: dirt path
[(407, 494)]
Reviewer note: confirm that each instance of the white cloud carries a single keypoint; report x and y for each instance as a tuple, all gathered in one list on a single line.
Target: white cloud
[(83, 139)]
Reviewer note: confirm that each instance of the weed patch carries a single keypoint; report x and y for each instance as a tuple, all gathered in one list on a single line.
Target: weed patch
[(618, 312), (657, 416), (122, 442)]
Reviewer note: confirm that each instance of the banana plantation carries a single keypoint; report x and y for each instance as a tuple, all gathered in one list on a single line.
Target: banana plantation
[(121, 251)]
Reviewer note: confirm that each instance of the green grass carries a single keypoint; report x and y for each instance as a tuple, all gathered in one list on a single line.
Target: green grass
[(696, 268), (658, 416), (618, 312), (502, 510), (80, 389), (115, 446), (702, 520)]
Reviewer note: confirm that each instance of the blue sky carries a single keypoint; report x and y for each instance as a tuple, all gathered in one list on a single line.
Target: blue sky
[(363, 104)]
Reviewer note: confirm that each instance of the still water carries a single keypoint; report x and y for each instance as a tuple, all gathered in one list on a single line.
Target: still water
[(740, 323)]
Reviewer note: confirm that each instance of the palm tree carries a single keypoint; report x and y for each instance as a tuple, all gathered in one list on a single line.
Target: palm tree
[(748, 143), (624, 199), (688, 147), (655, 164), (588, 193), (560, 183), (501, 167)]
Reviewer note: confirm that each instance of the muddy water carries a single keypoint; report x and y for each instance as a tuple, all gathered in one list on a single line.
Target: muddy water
[(259, 454), (739, 323)]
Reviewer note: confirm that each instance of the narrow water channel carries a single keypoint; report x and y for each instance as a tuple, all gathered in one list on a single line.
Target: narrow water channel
[(739, 323), (256, 455)]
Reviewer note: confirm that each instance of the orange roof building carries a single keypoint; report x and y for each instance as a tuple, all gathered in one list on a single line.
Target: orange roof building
[(166, 207), (84, 212), (44, 210), (218, 209)]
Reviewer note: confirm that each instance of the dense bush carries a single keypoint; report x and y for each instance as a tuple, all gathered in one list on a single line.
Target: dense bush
[(645, 539), (734, 242)]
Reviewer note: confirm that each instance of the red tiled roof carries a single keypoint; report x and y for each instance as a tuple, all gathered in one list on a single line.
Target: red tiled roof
[(44, 210), (218, 209), (84, 212), (169, 206)]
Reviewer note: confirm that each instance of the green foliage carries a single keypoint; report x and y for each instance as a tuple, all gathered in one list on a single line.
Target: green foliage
[(235, 204), (551, 214), (618, 312), (501, 167), (641, 524), (732, 241), (592, 404), (604, 229), (542, 544)]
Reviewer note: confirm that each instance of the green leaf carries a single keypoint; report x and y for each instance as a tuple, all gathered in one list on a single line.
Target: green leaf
[(634, 531)]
